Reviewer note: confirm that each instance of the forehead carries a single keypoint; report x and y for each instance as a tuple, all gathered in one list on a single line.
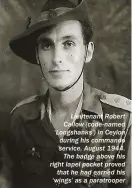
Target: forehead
[(71, 28)]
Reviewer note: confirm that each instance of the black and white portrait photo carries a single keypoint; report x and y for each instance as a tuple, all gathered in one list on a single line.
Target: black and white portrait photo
[(65, 94)]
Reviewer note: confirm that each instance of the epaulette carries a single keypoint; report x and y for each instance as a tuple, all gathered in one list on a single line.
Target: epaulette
[(117, 101), (25, 101)]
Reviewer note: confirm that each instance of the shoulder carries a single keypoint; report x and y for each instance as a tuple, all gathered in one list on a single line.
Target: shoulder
[(29, 108), (26, 101), (115, 104), (117, 101), (114, 100)]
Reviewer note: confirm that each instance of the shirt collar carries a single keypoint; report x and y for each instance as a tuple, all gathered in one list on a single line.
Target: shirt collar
[(77, 112), (91, 100)]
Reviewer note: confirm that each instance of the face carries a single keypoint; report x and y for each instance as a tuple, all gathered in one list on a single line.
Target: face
[(61, 53)]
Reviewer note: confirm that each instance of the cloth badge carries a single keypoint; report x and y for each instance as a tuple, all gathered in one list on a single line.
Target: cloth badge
[(33, 152)]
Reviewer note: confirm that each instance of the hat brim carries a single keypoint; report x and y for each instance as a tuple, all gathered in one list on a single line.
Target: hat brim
[(24, 44)]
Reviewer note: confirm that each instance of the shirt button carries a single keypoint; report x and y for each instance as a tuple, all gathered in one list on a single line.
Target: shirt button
[(116, 100), (128, 102), (103, 97)]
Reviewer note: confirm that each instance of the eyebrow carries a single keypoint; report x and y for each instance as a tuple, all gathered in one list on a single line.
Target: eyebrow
[(44, 39), (48, 39), (69, 37)]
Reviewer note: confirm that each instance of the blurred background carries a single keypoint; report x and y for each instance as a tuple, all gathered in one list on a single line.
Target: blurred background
[(109, 69)]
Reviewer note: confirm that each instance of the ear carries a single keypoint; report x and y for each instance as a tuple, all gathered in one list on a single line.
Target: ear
[(89, 51)]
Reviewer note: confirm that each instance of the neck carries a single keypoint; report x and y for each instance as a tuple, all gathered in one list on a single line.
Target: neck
[(64, 100)]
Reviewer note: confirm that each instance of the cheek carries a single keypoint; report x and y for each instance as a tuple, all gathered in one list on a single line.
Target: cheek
[(75, 58), (44, 60)]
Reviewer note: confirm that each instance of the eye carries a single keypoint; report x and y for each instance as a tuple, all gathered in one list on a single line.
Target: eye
[(46, 46), (68, 44)]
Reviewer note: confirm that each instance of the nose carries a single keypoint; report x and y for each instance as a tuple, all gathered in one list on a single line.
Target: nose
[(57, 55)]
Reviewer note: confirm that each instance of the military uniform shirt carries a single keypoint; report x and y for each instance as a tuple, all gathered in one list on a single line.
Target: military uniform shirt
[(32, 144)]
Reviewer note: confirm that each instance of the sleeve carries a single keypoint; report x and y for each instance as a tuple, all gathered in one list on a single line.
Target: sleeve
[(6, 159), (6, 177), (10, 149)]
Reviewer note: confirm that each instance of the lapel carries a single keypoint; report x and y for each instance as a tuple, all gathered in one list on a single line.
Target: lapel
[(91, 100), (41, 130)]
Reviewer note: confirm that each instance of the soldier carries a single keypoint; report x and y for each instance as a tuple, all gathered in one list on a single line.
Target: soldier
[(95, 125)]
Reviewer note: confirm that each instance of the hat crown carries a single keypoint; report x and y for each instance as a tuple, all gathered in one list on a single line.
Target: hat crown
[(53, 12), (53, 4)]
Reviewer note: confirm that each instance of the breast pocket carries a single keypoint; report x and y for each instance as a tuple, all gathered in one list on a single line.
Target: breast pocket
[(33, 166), (37, 159)]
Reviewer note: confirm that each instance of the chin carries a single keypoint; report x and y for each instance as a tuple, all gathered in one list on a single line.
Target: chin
[(60, 86)]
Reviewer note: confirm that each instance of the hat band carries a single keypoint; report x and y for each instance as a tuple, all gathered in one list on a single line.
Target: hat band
[(48, 15)]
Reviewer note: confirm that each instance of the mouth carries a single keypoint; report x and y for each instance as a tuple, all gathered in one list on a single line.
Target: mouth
[(58, 71)]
